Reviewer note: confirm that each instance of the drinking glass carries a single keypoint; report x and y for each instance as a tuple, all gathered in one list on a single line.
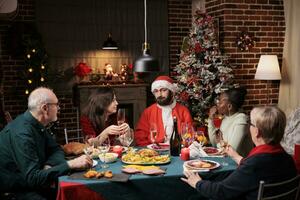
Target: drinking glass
[(121, 116), (153, 132), (128, 139), (104, 148), (168, 134)]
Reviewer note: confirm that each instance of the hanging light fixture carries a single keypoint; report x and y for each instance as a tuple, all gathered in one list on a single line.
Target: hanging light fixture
[(146, 63), (110, 44)]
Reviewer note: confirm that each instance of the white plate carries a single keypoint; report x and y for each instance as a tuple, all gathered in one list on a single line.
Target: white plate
[(156, 148), (217, 153), (189, 166), (95, 162)]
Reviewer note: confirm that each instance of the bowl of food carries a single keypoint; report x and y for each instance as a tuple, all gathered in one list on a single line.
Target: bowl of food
[(109, 157)]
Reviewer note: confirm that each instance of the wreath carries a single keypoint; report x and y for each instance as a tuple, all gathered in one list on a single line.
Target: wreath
[(245, 41)]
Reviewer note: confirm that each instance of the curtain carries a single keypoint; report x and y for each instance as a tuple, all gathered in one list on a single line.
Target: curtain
[(289, 93), (74, 31)]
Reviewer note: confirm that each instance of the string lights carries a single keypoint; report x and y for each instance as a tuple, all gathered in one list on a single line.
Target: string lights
[(35, 64)]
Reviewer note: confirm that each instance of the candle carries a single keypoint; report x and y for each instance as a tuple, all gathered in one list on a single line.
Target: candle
[(185, 154), (118, 149)]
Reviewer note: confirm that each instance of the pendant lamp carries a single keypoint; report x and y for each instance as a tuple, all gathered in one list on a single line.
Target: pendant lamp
[(146, 63), (110, 44)]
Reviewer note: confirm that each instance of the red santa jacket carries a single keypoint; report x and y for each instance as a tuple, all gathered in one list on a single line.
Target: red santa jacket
[(153, 114)]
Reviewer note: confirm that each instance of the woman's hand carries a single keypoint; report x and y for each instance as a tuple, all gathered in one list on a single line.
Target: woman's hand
[(192, 178), (114, 130), (219, 136), (233, 154), (212, 112), (124, 128)]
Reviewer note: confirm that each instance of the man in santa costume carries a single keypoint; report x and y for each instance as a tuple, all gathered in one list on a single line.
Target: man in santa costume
[(160, 115)]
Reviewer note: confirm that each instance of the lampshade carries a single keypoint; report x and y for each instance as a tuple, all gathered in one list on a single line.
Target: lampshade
[(268, 68), (109, 43), (146, 63)]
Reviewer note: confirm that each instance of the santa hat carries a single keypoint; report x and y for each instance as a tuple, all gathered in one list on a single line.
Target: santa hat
[(164, 82)]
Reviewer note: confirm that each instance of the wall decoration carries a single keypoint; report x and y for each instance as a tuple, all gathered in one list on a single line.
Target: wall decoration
[(244, 41)]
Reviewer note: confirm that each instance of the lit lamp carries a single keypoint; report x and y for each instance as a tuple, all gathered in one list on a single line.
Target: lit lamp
[(268, 69), (110, 44), (146, 63)]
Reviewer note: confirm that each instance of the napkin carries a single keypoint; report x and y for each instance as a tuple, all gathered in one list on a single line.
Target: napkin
[(196, 150)]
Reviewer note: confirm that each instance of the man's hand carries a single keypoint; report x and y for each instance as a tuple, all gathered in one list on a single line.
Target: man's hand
[(82, 162)]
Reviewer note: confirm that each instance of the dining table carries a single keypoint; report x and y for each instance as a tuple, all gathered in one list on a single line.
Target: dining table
[(168, 186)]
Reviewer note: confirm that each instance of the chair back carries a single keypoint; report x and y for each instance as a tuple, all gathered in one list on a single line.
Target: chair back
[(285, 190), (73, 135)]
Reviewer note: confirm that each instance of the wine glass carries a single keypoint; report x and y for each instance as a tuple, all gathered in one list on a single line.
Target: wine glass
[(168, 133), (121, 116), (153, 132), (104, 148), (128, 139)]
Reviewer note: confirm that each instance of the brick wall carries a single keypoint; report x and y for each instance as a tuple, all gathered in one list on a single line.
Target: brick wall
[(11, 64), (180, 16), (264, 20)]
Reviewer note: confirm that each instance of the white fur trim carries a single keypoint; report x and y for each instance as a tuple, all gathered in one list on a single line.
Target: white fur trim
[(163, 84)]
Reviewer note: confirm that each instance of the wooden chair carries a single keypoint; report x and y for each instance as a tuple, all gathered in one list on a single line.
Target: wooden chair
[(285, 190)]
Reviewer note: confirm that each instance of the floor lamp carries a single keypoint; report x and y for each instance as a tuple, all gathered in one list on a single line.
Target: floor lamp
[(268, 69)]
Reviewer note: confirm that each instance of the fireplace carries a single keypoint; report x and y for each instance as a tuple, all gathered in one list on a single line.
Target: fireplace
[(132, 97)]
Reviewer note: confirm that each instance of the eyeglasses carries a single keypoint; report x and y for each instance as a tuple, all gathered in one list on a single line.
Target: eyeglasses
[(252, 124), (55, 104)]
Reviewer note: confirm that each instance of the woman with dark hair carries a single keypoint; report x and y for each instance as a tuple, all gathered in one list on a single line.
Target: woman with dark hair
[(234, 128), (267, 161), (96, 116)]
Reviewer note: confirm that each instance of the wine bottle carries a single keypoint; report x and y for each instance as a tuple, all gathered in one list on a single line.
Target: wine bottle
[(175, 141)]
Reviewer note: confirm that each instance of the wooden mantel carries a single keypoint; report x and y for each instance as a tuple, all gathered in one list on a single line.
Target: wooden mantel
[(129, 94)]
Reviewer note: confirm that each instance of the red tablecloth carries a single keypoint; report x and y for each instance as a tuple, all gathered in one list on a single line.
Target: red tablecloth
[(70, 190)]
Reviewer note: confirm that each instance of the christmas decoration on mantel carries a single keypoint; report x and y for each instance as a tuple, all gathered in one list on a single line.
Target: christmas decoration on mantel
[(244, 41), (82, 70), (87, 75), (36, 60), (202, 71)]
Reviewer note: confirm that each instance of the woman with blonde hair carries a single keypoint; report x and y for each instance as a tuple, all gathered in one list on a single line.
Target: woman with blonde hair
[(267, 161)]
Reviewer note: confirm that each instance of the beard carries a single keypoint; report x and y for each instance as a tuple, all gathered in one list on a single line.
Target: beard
[(165, 101)]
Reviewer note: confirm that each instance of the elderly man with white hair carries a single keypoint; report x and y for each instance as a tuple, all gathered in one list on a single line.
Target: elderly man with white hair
[(30, 159), (161, 113)]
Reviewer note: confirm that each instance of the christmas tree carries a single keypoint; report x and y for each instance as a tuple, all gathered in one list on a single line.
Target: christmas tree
[(36, 60), (202, 71)]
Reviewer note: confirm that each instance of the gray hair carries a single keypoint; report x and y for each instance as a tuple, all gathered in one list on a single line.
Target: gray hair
[(37, 97), (270, 121)]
